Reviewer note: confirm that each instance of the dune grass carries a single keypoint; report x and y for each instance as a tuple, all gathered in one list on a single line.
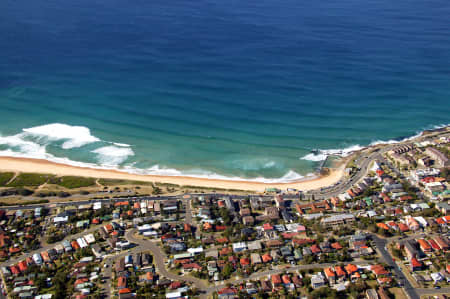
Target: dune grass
[(5, 177), (72, 182), (30, 180)]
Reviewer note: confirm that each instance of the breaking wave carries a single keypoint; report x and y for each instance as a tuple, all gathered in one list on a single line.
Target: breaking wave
[(74, 136), (113, 155)]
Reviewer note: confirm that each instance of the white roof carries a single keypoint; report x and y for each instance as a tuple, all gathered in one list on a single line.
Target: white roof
[(421, 221), (82, 242), (60, 219), (195, 250), (239, 245), (173, 295), (436, 276), (89, 238)]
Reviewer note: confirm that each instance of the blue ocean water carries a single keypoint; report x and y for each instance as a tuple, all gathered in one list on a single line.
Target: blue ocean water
[(218, 88)]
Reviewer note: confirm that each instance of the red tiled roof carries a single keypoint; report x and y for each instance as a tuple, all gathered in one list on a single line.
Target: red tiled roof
[(22, 266), (339, 271), (415, 263), (379, 270), (350, 268), (383, 225), (329, 272), (336, 246), (403, 227), (267, 226), (192, 266), (221, 227), (276, 279), (266, 258), (315, 249), (244, 261), (434, 245), (125, 291), (286, 279)]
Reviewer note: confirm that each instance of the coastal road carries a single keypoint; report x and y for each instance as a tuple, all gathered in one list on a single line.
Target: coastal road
[(388, 259)]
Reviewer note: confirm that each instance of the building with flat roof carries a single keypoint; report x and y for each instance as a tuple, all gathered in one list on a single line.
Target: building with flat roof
[(337, 221)]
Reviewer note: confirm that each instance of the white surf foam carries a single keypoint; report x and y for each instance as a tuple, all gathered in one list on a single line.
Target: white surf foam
[(113, 155), (323, 154), (75, 136), (121, 144), (290, 176), (18, 146)]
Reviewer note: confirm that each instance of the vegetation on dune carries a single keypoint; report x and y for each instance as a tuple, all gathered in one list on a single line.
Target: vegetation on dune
[(112, 182), (72, 182), (5, 177), (30, 179)]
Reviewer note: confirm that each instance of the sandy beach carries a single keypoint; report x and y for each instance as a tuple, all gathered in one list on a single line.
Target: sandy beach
[(44, 166)]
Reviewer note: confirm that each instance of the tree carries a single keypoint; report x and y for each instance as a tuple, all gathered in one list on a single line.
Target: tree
[(227, 271)]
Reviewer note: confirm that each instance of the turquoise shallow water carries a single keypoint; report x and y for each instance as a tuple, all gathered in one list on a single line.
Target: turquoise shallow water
[(221, 89)]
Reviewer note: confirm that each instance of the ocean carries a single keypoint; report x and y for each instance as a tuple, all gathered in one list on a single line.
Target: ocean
[(220, 89)]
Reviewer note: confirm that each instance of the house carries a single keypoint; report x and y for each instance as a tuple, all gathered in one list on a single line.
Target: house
[(276, 280), (416, 265), (442, 243), (248, 220), (244, 262), (245, 212), (424, 245), (239, 246), (317, 281), (330, 275), (379, 270), (412, 224), (256, 258), (266, 258), (340, 273)]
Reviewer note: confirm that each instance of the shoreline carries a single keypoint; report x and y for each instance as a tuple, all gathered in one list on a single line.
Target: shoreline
[(42, 166), (16, 164)]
